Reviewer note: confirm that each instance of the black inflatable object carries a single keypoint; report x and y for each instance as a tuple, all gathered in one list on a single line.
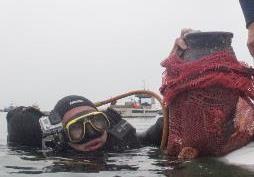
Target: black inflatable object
[(23, 127)]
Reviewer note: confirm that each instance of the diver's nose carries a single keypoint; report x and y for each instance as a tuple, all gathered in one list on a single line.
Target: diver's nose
[(90, 131)]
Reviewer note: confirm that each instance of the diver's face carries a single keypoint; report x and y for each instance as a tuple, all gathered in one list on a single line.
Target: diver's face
[(91, 145)]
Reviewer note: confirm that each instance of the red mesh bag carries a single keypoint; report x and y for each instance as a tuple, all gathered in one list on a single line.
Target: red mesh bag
[(209, 105)]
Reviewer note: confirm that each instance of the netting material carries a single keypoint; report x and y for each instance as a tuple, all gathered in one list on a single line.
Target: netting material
[(205, 111)]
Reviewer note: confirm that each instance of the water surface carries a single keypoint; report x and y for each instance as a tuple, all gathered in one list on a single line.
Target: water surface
[(147, 161)]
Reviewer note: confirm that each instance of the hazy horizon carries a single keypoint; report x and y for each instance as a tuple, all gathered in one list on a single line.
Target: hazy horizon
[(53, 48)]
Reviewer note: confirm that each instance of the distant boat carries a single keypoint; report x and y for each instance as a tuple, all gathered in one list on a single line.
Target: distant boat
[(9, 108), (142, 106)]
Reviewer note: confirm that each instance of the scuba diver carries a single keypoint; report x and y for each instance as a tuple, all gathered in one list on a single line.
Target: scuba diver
[(75, 124)]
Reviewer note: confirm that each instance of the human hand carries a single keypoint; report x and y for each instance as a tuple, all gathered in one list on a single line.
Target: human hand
[(250, 40), (180, 45)]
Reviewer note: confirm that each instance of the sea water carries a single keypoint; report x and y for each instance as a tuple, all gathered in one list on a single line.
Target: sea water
[(147, 161)]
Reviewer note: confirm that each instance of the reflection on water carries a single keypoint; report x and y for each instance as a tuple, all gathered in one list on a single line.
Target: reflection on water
[(147, 161)]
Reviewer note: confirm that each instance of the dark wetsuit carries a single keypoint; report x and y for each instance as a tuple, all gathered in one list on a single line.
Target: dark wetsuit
[(115, 143), (24, 129), (152, 136), (248, 11)]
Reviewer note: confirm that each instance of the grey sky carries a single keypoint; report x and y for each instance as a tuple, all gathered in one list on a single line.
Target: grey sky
[(98, 48)]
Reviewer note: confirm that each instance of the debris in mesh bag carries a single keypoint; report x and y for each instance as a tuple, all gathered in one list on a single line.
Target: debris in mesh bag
[(210, 111)]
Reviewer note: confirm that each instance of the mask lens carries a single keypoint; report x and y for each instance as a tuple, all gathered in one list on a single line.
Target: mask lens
[(76, 131), (100, 122)]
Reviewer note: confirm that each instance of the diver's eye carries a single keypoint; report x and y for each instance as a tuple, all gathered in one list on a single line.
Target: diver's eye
[(100, 122), (76, 131)]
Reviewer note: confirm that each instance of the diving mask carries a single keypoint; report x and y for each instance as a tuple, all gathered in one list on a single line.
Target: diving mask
[(86, 127)]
